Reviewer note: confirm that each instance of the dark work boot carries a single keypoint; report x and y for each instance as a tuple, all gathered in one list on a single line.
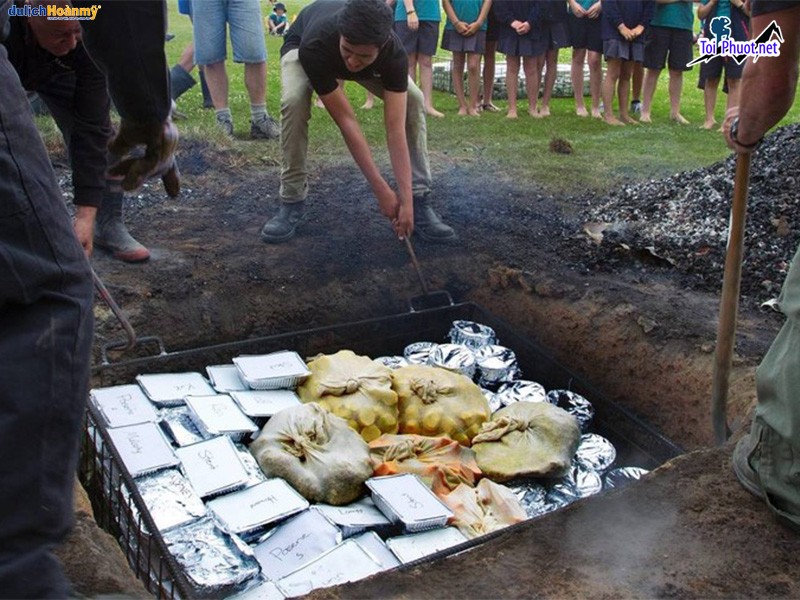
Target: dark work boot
[(180, 81), (111, 234), (281, 227), (427, 223)]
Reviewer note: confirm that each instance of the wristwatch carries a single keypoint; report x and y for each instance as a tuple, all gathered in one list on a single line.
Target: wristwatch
[(735, 132)]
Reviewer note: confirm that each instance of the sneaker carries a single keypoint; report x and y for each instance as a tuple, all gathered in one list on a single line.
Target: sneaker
[(265, 129), (636, 107), (741, 466), (282, 226), (226, 127)]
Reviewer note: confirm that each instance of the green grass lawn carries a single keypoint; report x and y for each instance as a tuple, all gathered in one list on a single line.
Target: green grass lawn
[(604, 156)]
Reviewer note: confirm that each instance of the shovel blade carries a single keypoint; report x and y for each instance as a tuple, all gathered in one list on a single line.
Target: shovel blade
[(431, 300)]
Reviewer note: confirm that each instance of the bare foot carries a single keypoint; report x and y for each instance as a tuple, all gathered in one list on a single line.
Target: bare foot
[(512, 114), (581, 111), (645, 118), (490, 107), (368, 105), (612, 120), (596, 114), (434, 113), (534, 113), (474, 112), (629, 120), (709, 125), (462, 111), (544, 111), (679, 119)]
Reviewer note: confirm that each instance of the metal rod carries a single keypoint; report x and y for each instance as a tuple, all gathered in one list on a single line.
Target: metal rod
[(729, 302), (108, 299), (416, 265)]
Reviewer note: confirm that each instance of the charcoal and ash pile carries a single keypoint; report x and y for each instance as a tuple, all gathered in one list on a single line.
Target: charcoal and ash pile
[(682, 221)]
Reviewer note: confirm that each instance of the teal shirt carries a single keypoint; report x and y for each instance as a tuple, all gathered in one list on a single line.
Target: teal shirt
[(427, 10), (723, 8), (467, 11), (678, 15), (585, 5)]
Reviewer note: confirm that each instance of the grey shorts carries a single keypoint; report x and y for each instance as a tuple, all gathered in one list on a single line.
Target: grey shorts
[(422, 41), (623, 50), (455, 42)]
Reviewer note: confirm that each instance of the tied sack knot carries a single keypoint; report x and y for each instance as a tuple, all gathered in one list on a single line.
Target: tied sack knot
[(429, 390), (306, 437), (350, 385), (400, 451), (491, 431)]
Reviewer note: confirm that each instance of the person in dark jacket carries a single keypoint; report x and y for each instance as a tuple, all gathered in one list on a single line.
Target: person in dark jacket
[(520, 39), (46, 284), (74, 90), (624, 25)]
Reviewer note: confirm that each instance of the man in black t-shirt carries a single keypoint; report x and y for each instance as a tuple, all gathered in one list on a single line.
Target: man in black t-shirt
[(353, 40)]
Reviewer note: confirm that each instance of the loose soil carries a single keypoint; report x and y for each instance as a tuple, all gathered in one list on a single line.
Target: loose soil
[(636, 329)]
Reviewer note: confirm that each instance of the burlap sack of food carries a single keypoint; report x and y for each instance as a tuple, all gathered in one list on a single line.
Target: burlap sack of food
[(483, 509), (527, 439), (355, 388), (316, 452), (437, 402), (440, 462)]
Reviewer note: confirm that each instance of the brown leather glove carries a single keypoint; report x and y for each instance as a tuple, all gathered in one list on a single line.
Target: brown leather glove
[(160, 141)]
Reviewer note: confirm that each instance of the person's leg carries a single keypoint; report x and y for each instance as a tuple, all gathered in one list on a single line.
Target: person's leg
[(295, 114), (458, 81), (412, 65), (576, 74), (710, 101), (637, 81), (550, 73), (46, 321), (613, 68), (426, 83), (675, 90), (623, 90), (512, 84), (595, 61), (427, 223), (474, 81), (209, 19), (369, 102), (648, 91), (255, 82), (489, 62), (532, 65)]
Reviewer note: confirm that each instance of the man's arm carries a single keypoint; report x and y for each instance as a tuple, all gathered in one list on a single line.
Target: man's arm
[(341, 112), (394, 117), (768, 85)]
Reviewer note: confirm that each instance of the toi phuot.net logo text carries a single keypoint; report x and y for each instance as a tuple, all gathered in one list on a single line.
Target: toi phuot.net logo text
[(766, 44)]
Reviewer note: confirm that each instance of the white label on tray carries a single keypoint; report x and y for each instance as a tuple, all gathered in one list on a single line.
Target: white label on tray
[(257, 505), (377, 549), (409, 498), (265, 403), (409, 548), (123, 405), (269, 366), (213, 466), (265, 590), (171, 388), (219, 414), (345, 563), (142, 448), (225, 378), (362, 513), (295, 543)]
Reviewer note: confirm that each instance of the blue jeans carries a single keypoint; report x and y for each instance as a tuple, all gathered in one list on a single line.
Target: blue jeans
[(45, 349), (246, 26)]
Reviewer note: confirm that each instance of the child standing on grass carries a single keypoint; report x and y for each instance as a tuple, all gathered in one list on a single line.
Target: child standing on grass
[(465, 36), (520, 40), (624, 24), (587, 47), (555, 34)]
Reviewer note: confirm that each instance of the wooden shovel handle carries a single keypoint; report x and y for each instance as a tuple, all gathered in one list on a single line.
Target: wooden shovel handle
[(729, 302)]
